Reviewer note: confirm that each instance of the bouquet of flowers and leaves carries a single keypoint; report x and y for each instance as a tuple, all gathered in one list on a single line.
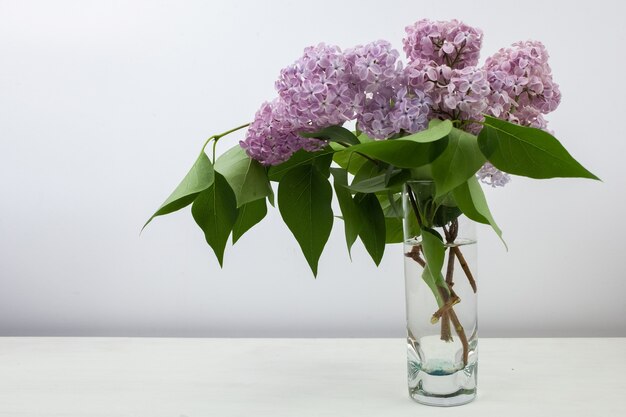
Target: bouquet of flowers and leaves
[(440, 116)]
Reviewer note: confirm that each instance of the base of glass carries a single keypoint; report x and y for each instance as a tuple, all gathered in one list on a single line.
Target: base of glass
[(441, 380), (451, 400), (444, 388)]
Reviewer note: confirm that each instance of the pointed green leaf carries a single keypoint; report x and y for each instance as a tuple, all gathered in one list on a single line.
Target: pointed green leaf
[(434, 253), (199, 178), (215, 211), (391, 203), (370, 175), (430, 280), (445, 214), (301, 157), (363, 138), (271, 198), (350, 161), (334, 134), (412, 229), (381, 182), (437, 129), (304, 201), (434, 249), (471, 200), (527, 151), (247, 177), (402, 153), (349, 211), (369, 185), (322, 163), (393, 230), (336, 147), (248, 215), (368, 170), (372, 231), (460, 160)]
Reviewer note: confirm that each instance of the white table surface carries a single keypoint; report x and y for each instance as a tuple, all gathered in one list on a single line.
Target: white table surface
[(297, 377)]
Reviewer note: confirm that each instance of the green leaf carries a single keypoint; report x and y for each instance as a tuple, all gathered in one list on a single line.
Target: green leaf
[(434, 253), (350, 161), (334, 134), (299, 158), (363, 138), (401, 152), (247, 177), (369, 185), (349, 211), (430, 280), (471, 200), (199, 178), (367, 171), (459, 161), (336, 147), (372, 231), (304, 200), (248, 215), (391, 203), (215, 211), (393, 230), (437, 129), (445, 214), (527, 151), (322, 163), (412, 228), (270, 197), (379, 182)]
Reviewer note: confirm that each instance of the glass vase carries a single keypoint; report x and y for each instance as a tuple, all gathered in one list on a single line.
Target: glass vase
[(442, 339)]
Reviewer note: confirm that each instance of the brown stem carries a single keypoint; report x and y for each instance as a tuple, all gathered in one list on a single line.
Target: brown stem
[(450, 270), (451, 235), (457, 252), (446, 333), (444, 309), (449, 315), (459, 329), (446, 336), (414, 254), (462, 336)]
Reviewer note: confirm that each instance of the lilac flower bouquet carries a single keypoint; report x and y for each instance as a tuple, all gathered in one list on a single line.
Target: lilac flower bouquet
[(441, 118)]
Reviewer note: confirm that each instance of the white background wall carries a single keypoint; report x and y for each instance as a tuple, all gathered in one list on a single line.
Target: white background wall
[(104, 106)]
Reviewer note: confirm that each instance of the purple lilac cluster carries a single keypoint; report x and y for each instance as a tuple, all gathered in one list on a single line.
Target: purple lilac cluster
[(327, 87), (316, 89), (450, 43), (272, 136), (442, 63), (389, 107), (314, 92), (456, 94), (522, 88), (373, 66), (369, 84), (394, 110), (522, 91)]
